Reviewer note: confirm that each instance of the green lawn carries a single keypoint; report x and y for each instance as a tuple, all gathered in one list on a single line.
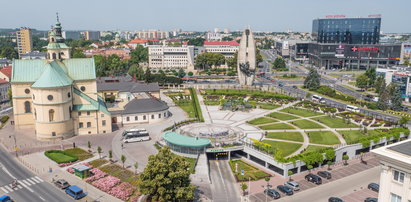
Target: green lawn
[(351, 136), (192, 162), (79, 153), (188, 108), (261, 120), (267, 106), (277, 126), (286, 148), (306, 124), (282, 116), (98, 162), (335, 122), (323, 137), (59, 156), (300, 112), (249, 171), (206, 102), (293, 136), (313, 148)]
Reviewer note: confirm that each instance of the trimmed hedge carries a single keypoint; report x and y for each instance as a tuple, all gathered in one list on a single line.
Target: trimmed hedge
[(4, 119), (59, 156)]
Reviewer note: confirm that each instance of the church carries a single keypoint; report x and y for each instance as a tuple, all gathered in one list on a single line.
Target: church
[(57, 96)]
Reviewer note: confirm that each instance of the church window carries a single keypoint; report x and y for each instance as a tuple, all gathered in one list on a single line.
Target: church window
[(51, 115), (27, 107), (50, 97), (68, 94), (53, 133), (27, 91), (70, 111), (54, 56), (88, 124)]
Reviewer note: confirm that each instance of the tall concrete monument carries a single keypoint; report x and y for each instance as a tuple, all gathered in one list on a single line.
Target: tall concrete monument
[(246, 62)]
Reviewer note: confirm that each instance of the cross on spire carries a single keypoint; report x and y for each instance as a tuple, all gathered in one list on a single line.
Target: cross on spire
[(57, 14)]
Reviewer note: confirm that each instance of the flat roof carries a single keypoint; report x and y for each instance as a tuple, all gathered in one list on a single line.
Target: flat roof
[(185, 141), (404, 148), (143, 106), (400, 151)]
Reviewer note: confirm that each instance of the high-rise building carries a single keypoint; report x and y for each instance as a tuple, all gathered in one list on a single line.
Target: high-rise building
[(24, 40), (75, 35), (152, 34), (92, 35), (339, 29)]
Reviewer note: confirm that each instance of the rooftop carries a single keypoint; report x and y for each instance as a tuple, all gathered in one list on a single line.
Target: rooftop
[(185, 141), (400, 152), (404, 148), (127, 86), (221, 43), (142, 106), (6, 71)]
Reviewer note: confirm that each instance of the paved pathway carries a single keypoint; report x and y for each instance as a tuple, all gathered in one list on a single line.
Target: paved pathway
[(204, 110)]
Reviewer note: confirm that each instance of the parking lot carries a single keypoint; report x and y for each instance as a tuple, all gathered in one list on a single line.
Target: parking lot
[(360, 195)]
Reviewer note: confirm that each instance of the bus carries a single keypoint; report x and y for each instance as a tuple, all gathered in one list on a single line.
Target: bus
[(136, 137), (318, 98), (133, 130), (352, 108)]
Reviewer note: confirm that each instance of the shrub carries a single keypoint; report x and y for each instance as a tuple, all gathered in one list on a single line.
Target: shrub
[(4, 119), (106, 184), (97, 174)]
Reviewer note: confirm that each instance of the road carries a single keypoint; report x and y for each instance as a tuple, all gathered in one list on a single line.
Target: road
[(223, 184), (30, 188), (338, 188)]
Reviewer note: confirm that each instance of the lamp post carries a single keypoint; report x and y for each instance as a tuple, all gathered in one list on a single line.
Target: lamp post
[(15, 144)]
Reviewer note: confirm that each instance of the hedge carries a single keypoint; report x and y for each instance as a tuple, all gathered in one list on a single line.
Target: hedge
[(59, 156)]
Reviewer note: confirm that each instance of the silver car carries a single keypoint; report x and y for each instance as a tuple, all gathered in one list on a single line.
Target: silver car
[(293, 184)]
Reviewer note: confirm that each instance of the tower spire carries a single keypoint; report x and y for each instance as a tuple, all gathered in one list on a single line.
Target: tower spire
[(57, 14)]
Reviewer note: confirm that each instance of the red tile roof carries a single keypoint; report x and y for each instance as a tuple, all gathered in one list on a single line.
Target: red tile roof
[(6, 71), (143, 40), (220, 43), (3, 81)]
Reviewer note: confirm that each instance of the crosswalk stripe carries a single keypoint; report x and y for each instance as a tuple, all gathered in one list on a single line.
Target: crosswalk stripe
[(5, 190), (41, 180), (30, 181), (23, 183), (19, 187), (35, 180), (8, 188)]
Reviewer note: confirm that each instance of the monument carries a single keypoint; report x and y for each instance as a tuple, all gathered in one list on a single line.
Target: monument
[(246, 62)]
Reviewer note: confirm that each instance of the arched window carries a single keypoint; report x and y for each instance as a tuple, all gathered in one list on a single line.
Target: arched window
[(27, 107), (54, 55), (51, 115)]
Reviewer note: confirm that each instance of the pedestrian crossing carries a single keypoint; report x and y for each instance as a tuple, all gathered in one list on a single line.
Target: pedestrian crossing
[(26, 183)]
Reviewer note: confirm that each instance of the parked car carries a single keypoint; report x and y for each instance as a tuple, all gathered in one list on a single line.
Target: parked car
[(75, 192), (285, 189), (374, 186), (313, 178), (272, 193), (370, 199), (5, 198), (62, 184), (293, 184), (335, 199), (324, 174)]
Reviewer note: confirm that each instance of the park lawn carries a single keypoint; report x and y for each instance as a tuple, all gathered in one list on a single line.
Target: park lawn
[(211, 103), (351, 136), (334, 122), (267, 106), (286, 148), (306, 124), (277, 126), (300, 112), (98, 162), (261, 120), (250, 172), (323, 137), (282, 116), (188, 108), (60, 156), (293, 136), (192, 162), (313, 148), (79, 153)]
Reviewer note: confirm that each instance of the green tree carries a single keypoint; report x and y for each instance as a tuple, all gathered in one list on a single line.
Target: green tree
[(379, 84), (312, 82), (9, 52), (407, 63), (208, 60), (396, 99), (243, 187), (166, 177), (371, 73), (123, 159), (99, 150), (267, 179), (138, 55), (279, 63), (384, 98), (329, 163), (232, 62), (404, 120), (77, 53), (309, 167), (110, 155), (258, 57), (136, 70), (10, 94), (190, 73), (329, 154), (196, 41), (181, 73), (345, 157), (135, 167), (89, 145), (227, 38), (290, 172), (362, 81), (148, 76)]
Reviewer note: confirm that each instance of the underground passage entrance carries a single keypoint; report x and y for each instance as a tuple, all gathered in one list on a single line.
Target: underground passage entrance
[(217, 156)]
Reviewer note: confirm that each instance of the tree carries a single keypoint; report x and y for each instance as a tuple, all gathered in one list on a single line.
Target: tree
[(309, 167), (89, 146), (147, 76), (290, 172), (135, 167), (329, 163), (362, 81), (166, 177), (196, 41), (110, 155), (123, 159), (190, 73), (267, 179), (345, 157), (371, 74), (243, 187), (279, 63), (407, 63), (139, 55), (404, 120), (329, 154), (181, 73), (384, 98), (379, 84), (77, 53), (312, 82), (258, 57), (99, 150), (208, 60), (8, 52), (396, 99), (232, 62), (136, 70), (227, 38)]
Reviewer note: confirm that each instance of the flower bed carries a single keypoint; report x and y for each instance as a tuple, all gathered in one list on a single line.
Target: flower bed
[(122, 191), (97, 174), (106, 184), (65, 164)]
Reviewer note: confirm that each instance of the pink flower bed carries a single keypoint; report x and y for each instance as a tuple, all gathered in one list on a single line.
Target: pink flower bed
[(122, 191), (65, 164), (106, 184), (97, 174)]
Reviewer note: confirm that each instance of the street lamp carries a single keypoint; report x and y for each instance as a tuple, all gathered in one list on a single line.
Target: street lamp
[(15, 144)]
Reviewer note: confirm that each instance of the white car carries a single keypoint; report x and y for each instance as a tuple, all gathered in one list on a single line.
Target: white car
[(293, 184)]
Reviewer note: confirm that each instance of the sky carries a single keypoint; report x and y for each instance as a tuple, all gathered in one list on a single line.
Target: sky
[(198, 15)]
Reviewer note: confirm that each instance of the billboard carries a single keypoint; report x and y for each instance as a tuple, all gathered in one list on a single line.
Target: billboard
[(339, 51), (406, 53)]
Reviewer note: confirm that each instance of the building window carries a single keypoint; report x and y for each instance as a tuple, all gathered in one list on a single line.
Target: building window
[(80, 125), (88, 113), (53, 133), (135, 118), (102, 115), (79, 113), (50, 97), (27, 107), (35, 114), (104, 131), (159, 116), (68, 94), (103, 122), (89, 132), (144, 117), (34, 97), (395, 198), (27, 91), (88, 124), (127, 118), (82, 88), (152, 116), (51, 115), (398, 176)]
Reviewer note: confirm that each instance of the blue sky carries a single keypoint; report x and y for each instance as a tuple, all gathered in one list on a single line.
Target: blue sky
[(200, 15)]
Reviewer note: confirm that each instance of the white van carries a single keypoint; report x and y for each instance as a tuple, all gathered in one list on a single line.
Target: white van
[(318, 98), (352, 108)]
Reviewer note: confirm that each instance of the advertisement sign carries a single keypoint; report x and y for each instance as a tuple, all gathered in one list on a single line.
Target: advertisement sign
[(285, 45), (406, 52), (339, 51), (365, 49)]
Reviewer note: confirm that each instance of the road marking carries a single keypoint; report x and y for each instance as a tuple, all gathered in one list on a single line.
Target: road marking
[(19, 187), (8, 188), (30, 189), (42, 198), (24, 183), (5, 190), (35, 180), (41, 180), (30, 181)]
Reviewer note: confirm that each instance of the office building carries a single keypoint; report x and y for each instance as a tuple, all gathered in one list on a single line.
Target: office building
[(24, 40), (339, 29), (165, 57), (75, 35), (227, 48), (152, 34), (92, 35), (405, 52), (395, 162), (213, 36), (401, 76)]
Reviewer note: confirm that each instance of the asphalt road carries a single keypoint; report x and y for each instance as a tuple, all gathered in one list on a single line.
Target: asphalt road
[(30, 188), (223, 184)]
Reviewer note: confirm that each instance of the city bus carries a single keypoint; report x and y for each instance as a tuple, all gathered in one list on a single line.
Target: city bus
[(133, 130), (136, 137), (318, 98), (352, 108)]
